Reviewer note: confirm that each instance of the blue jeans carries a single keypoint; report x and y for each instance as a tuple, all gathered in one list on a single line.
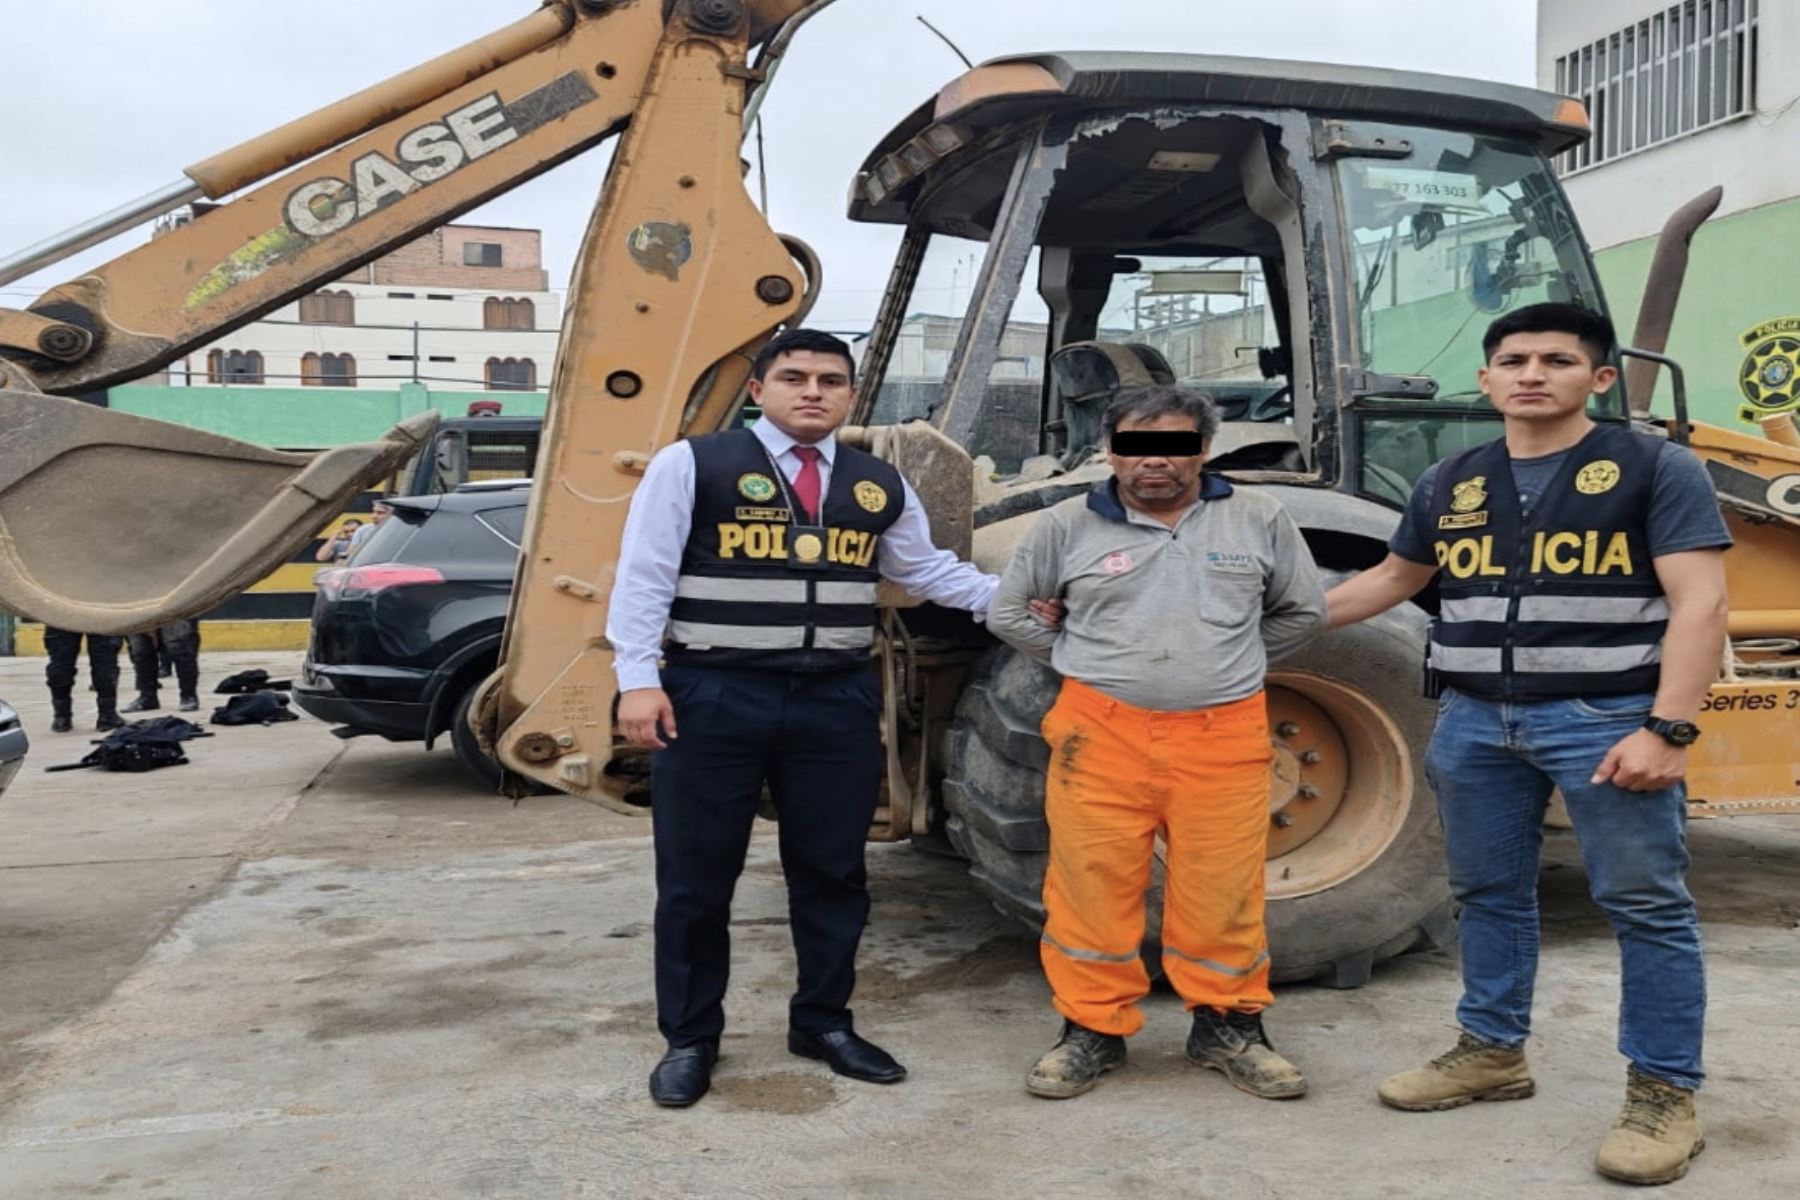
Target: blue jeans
[(1493, 766)]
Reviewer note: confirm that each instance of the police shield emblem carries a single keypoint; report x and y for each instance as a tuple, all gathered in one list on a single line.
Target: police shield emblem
[(872, 496), (808, 548), (759, 488), (1469, 495), (1597, 477)]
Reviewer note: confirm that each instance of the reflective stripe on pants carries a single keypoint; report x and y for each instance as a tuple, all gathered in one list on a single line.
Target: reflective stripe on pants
[(1119, 774)]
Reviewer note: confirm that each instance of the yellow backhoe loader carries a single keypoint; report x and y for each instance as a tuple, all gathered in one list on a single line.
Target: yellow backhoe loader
[(1318, 246)]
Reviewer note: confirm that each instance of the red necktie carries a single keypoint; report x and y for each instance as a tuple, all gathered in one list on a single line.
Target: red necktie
[(806, 483)]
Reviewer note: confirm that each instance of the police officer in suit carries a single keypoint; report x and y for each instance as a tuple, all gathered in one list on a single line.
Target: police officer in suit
[(758, 551)]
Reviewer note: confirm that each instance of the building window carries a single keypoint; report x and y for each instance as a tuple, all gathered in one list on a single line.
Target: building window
[(511, 375), (1684, 67), (234, 366), (328, 370), (481, 254), (328, 308), (497, 313)]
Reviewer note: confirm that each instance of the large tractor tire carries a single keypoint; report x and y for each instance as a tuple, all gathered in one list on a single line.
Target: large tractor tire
[(1355, 869)]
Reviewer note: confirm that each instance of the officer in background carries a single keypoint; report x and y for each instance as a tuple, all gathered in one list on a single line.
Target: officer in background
[(63, 648), (179, 640), (1581, 572), (758, 551)]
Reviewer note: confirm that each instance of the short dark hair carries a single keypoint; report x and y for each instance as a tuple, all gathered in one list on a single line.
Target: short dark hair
[(1149, 401), (801, 339), (1594, 331)]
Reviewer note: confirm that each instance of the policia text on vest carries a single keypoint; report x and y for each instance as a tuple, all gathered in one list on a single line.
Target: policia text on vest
[(1563, 602)]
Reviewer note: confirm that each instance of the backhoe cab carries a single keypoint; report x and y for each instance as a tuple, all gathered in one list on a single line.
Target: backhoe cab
[(1321, 248)]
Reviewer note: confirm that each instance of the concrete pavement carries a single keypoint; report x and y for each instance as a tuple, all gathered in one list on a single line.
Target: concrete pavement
[(301, 967)]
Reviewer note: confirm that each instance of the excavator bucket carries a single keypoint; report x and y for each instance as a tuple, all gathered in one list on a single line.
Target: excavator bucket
[(112, 524)]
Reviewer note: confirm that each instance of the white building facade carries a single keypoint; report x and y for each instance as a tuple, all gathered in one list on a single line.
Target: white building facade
[(463, 308), (1685, 95)]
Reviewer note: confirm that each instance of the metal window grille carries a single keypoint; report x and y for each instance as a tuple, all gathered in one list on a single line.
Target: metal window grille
[(1685, 67)]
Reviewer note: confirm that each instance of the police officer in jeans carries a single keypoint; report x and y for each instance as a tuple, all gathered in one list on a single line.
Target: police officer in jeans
[(64, 648), (758, 551), (1582, 580)]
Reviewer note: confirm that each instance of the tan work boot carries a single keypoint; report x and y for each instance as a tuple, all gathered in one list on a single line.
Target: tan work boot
[(1472, 1071), (1076, 1063), (1656, 1136), (1234, 1044)]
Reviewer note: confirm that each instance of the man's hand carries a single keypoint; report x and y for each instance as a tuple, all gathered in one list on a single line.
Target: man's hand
[(640, 711), (1643, 762), (1048, 612)]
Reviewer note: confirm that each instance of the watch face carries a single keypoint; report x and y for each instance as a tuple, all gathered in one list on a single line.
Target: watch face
[(1678, 733)]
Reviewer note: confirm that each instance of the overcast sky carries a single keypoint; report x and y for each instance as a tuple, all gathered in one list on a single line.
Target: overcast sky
[(116, 104)]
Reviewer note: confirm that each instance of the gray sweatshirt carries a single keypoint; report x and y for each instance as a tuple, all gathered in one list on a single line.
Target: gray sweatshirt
[(1171, 619)]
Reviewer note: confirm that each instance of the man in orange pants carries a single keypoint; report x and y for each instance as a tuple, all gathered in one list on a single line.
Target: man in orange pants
[(1177, 590)]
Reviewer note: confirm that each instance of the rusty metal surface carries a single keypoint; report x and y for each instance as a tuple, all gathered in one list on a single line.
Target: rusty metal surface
[(680, 166), (1662, 291), (111, 523)]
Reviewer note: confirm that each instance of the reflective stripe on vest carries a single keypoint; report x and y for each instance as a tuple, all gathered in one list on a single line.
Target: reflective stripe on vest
[(1562, 601), (696, 635)]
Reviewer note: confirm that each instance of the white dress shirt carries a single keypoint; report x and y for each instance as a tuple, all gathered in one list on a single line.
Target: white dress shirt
[(656, 534)]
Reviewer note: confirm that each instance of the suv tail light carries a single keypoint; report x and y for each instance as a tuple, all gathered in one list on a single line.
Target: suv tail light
[(357, 583)]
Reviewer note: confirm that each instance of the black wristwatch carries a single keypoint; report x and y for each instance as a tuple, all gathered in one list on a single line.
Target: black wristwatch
[(1676, 733)]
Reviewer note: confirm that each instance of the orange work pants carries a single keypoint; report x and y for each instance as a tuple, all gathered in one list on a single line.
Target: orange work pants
[(1118, 775)]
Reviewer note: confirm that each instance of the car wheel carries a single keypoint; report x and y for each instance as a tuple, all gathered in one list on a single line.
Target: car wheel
[(468, 751)]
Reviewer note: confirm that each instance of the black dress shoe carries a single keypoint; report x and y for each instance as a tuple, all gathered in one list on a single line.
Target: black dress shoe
[(847, 1054), (683, 1075), (145, 702)]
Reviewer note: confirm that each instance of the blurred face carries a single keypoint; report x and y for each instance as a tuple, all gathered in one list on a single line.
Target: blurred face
[(1543, 377), (1157, 482), (807, 394), (382, 512)]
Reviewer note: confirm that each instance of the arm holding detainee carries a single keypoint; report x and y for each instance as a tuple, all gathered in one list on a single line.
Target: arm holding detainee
[(1017, 616)]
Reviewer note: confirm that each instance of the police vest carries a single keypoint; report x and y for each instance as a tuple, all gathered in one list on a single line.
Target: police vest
[(759, 587), (1565, 603)]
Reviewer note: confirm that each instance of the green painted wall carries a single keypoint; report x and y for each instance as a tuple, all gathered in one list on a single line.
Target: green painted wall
[(306, 418), (1743, 273)]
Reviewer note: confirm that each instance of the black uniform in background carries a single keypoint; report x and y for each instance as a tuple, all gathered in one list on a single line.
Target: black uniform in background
[(178, 640), (63, 648)]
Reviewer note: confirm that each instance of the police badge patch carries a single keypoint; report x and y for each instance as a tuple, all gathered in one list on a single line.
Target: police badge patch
[(872, 496), (1469, 495), (1598, 477), (759, 488)]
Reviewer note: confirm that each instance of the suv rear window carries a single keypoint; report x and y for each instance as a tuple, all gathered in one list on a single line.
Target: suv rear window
[(385, 544), (509, 523)]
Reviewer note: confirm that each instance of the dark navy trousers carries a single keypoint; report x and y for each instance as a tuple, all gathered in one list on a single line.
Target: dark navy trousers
[(815, 740)]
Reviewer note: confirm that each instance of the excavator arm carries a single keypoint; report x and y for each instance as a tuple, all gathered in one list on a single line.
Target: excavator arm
[(678, 272)]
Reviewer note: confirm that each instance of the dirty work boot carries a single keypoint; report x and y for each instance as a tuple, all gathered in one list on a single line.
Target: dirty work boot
[(1076, 1063), (145, 702), (1656, 1136), (190, 702), (1234, 1044), (1473, 1070)]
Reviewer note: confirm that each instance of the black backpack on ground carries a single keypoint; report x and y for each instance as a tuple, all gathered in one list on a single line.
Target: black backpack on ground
[(140, 746)]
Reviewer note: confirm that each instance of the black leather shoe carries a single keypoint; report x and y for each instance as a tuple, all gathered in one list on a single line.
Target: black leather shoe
[(847, 1054), (145, 702), (683, 1075), (190, 703), (62, 723)]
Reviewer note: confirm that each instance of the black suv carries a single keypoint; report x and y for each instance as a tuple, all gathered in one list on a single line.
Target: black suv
[(403, 634)]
